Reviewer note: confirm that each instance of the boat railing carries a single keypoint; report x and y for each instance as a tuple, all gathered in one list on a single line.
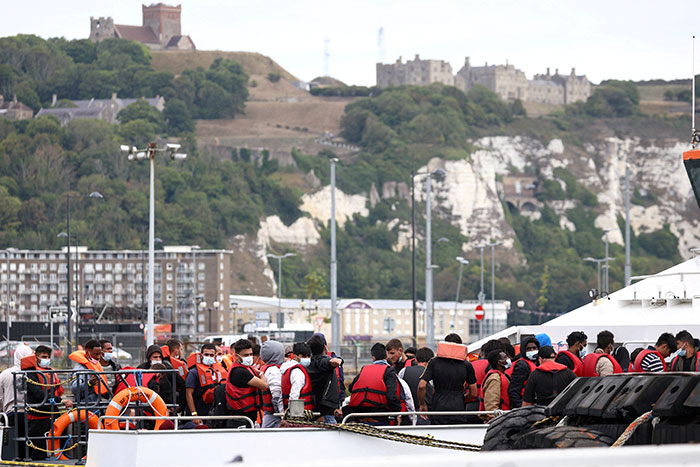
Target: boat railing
[(435, 413), (667, 274), (176, 419)]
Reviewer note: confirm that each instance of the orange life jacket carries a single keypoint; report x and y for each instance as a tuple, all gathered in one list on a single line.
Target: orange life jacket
[(177, 364), (589, 364), (578, 364), (208, 376), (131, 379), (55, 390), (369, 389), (505, 400), (306, 394), (242, 400), (79, 356), (266, 394), (644, 353)]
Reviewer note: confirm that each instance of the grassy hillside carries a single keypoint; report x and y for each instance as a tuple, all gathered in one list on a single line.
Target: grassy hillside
[(176, 61)]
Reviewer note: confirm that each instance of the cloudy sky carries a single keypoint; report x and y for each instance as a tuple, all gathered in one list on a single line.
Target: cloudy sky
[(636, 40)]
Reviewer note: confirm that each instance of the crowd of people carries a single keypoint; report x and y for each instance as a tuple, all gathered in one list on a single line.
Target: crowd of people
[(256, 382)]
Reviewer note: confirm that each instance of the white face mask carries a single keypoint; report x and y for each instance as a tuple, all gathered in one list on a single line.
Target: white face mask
[(247, 361), (45, 362), (219, 358), (582, 353), (107, 356), (208, 360), (153, 362), (508, 363), (531, 354), (305, 361)]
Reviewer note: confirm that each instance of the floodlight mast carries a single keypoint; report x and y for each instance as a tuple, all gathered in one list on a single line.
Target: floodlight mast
[(139, 154)]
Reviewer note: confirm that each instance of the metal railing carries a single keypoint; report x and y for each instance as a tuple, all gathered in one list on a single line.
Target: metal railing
[(436, 413), (177, 419)]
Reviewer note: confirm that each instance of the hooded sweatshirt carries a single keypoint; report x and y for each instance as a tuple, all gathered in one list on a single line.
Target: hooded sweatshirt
[(7, 393), (543, 339), (272, 353)]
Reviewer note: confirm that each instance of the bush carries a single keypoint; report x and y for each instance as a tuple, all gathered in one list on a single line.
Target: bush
[(273, 76), (662, 243)]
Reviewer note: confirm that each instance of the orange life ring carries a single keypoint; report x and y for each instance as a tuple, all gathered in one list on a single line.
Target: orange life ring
[(122, 400), (62, 422)]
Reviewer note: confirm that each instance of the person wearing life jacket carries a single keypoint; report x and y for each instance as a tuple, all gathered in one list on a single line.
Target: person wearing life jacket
[(154, 355), (453, 381), (45, 400), (547, 380), (295, 379), (202, 379), (109, 362), (411, 376), (89, 387), (410, 352), (520, 371), (243, 385), (396, 357), (494, 393), (481, 367), (652, 359), (573, 357), (686, 358), (376, 388), (272, 354), (172, 358), (601, 362), (324, 375)]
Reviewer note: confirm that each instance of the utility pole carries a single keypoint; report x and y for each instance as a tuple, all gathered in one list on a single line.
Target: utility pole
[(493, 246), (413, 253), (628, 263), (335, 317), (429, 321), (482, 295)]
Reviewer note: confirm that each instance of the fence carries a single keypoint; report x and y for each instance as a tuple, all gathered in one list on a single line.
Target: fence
[(35, 415)]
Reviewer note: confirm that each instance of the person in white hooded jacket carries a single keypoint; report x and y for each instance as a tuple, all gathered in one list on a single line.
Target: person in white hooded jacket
[(272, 354), (7, 396)]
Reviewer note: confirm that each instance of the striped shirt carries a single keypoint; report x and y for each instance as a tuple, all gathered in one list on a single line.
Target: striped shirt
[(652, 363)]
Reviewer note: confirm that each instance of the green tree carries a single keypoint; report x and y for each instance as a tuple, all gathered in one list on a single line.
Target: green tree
[(177, 117), (542, 299), (314, 285), (137, 132), (142, 110)]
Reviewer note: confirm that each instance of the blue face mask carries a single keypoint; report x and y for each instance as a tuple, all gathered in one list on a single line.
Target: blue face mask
[(681, 352), (305, 362)]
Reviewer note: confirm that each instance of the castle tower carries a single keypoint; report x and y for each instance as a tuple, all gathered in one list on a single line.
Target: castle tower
[(164, 20), (101, 28)]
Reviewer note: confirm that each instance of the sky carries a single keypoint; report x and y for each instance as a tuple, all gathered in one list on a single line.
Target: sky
[(612, 39)]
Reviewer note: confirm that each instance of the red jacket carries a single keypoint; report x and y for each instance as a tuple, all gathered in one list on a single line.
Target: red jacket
[(242, 400), (306, 394), (589, 364), (266, 394), (505, 400), (369, 389), (578, 364)]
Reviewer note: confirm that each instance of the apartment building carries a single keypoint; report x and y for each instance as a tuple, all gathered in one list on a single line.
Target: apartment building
[(191, 286)]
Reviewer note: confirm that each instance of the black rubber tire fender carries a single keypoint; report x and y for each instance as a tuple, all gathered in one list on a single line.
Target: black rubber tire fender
[(506, 428), (562, 437)]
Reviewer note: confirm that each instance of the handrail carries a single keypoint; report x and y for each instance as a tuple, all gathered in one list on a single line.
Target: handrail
[(666, 274), (177, 418), (5, 420), (444, 412)]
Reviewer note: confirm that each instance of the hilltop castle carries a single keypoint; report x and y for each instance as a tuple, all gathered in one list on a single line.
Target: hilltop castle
[(505, 80), (160, 29)]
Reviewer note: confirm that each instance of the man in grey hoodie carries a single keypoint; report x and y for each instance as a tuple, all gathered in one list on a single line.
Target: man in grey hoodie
[(272, 354)]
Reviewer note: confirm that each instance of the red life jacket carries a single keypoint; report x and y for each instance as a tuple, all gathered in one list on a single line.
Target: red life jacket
[(480, 371), (242, 400), (410, 362), (630, 368), (530, 364), (677, 365), (369, 389), (578, 364), (130, 380), (177, 364), (306, 394), (505, 400), (589, 364), (266, 394), (551, 367)]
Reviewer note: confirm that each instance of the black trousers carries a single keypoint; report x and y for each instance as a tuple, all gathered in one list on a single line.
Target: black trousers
[(37, 434)]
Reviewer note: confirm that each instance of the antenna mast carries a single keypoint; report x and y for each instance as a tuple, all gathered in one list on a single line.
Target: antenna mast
[(693, 138)]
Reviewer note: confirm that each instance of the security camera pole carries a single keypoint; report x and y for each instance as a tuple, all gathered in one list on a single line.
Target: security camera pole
[(139, 154)]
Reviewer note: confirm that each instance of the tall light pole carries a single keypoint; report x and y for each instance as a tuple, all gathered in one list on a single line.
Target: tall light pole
[(335, 317), (628, 263), (7, 297), (195, 307), (69, 272), (143, 284), (279, 259), (481, 295), (493, 246), (606, 271), (462, 262), (150, 153), (429, 310), (598, 261)]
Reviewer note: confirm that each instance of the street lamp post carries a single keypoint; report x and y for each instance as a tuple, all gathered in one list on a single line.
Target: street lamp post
[(606, 272), (143, 284), (150, 153), (493, 246), (335, 316), (279, 259), (481, 295), (7, 298), (429, 310), (598, 261), (462, 262)]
